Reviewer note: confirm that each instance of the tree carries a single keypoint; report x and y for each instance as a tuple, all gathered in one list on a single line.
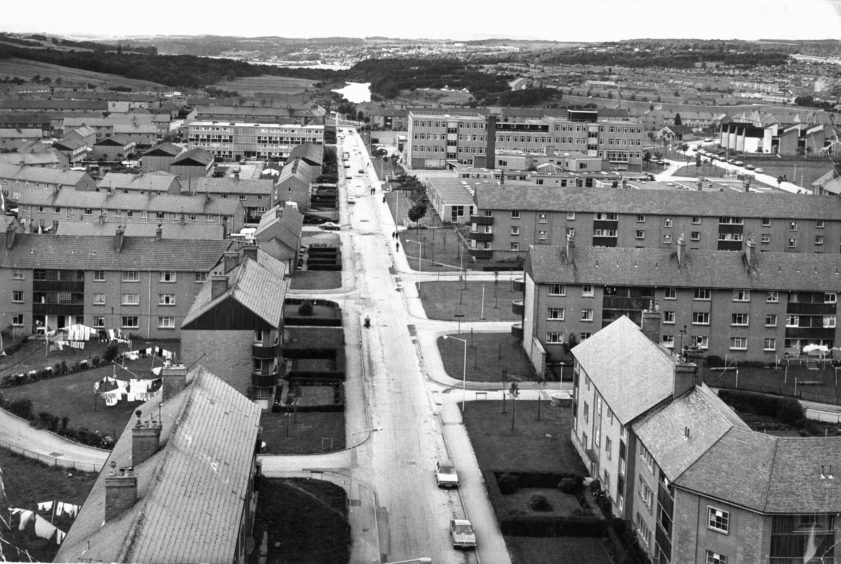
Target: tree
[(678, 120), (646, 158), (416, 212)]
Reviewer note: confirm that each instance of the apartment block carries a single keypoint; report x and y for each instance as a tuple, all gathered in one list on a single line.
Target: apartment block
[(142, 285), (435, 138), (746, 306), (511, 218), (235, 140)]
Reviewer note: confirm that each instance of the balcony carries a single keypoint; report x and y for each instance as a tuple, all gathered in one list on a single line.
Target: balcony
[(480, 237), (482, 219), (517, 331), (481, 253), (518, 285), (729, 245), (609, 224), (260, 380), (72, 286), (810, 308), (517, 307), (824, 333), (267, 352)]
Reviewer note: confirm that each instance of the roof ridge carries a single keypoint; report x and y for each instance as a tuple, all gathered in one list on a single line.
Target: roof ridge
[(770, 473)]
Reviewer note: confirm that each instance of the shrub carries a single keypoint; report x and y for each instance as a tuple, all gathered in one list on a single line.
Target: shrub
[(22, 408), (538, 502), (595, 486), (305, 309), (96, 360), (508, 483), (571, 485), (111, 352)]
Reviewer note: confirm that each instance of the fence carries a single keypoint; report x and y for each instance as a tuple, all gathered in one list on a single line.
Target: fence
[(51, 460)]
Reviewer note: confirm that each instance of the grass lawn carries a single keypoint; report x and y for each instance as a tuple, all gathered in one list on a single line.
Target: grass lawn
[(708, 170), (319, 311), (809, 170), (819, 384), (498, 352), (29, 482), (545, 550), (316, 279), (306, 521), (309, 432), (442, 300), (534, 446)]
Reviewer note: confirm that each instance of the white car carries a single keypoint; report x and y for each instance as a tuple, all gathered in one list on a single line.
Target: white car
[(445, 474), (758, 170), (330, 226), (462, 534)]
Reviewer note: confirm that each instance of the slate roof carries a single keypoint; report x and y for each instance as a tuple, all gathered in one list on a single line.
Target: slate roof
[(663, 430), (257, 285), (40, 174), (654, 202), (190, 493), (313, 154), (164, 150), (15, 133), (631, 384), (91, 252), (156, 181), (228, 185), (187, 231), (193, 157), (295, 169), (457, 191), (136, 202), (701, 269), (115, 141), (49, 158), (283, 224)]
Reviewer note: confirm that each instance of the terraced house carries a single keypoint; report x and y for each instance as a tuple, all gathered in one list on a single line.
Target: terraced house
[(698, 485), (511, 218), (142, 285), (745, 305)]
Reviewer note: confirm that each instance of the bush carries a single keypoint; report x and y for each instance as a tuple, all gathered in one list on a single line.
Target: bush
[(96, 360), (305, 309), (111, 352), (571, 485), (538, 502), (22, 408), (508, 483), (595, 487)]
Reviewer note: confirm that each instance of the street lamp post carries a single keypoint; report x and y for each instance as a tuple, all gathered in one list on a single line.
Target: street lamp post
[(463, 371), (420, 251)]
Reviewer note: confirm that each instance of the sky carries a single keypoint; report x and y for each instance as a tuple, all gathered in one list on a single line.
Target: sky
[(559, 20)]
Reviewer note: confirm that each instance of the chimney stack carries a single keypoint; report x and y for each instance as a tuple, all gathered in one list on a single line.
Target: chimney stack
[(10, 236), (230, 260), (118, 238), (569, 249), (684, 378), (120, 491), (145, 439), (249, 251), (681, 250), (159, 231), (218, 285), (651, 320), (173, 380)]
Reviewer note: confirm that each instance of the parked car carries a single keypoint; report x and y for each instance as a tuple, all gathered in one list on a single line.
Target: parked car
[(330, 226), (750, 167), (462, 534), (445, 474)]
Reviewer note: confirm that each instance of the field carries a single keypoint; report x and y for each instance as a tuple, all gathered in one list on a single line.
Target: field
[(27, 69), (432, 96), (267, 85)]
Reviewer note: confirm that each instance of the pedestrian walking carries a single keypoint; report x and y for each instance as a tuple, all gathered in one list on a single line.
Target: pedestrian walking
[(397, 246)]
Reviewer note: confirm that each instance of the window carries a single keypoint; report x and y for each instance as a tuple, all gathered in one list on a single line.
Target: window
[(541, 235), (17, 320), (695, 236), (17, 274), (792, 321), (556, 313), (541, 218), (557, 290), (773, 297), (700, 318), (668, 317), (769, 344), (130, 322), (584, 335), (606, 481), (765, 239), (515, 214), (99, 321), (159, 215), (670, 294), (514, 246), (88, 211), (167, 277), (643, 532), (715, 558), (830, 298), (99, 276), (740, 319), (166, 323), (607, 448), (201, 277), (587, 291), (17, 296), (701, 341), (792, 243), (770, 320), (646, 456), (586, 315), (586, 414), (792, 226), (702, 294), (99, 299), (668, 341), (166, 299), (515, 230), (645, 493), (640, 218), (820, 223), (696, 220), (828, 321), (818, 240), (131, 276), (738, 343), (554, 337), (718, 519), (640, 234), (766, 222), (130, 299), (571, 215), (667, 222)]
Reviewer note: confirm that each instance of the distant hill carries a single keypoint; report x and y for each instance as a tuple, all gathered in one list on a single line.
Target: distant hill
[(66, 76)]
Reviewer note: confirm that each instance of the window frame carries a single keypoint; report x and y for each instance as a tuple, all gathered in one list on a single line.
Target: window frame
[(713, 520)]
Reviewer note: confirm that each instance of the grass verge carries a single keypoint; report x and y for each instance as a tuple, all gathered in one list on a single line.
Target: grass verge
[(441, 300), (498, 352), (310, 432)]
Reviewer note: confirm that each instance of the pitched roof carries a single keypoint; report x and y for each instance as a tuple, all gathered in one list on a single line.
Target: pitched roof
[(258, 285), (700, 269), (657, 202), (40, 174), (164, 150), (187, 231), (91, 252), (155, 181), (296, 168), (193, 157), (30, 159), (630, 384), (17, 133), (312, 153), (228, 185), (664, 431), (190, 492), (281, 223), (136, 202), (118, 140)]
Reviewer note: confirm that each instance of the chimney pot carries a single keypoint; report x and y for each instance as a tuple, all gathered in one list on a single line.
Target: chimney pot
[(120, 492)]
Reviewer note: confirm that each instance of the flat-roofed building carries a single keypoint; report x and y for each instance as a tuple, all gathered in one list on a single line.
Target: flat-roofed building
[(238, 140)]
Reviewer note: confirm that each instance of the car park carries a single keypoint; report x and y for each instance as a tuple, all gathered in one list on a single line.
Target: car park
[(445, 474), (462, 534)]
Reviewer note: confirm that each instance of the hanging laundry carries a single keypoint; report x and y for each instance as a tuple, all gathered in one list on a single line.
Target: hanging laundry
[(25, 517), (59, 536), (44, 528), (45, 506)]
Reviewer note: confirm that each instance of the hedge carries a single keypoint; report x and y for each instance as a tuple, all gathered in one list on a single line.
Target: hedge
[(785, 409)]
